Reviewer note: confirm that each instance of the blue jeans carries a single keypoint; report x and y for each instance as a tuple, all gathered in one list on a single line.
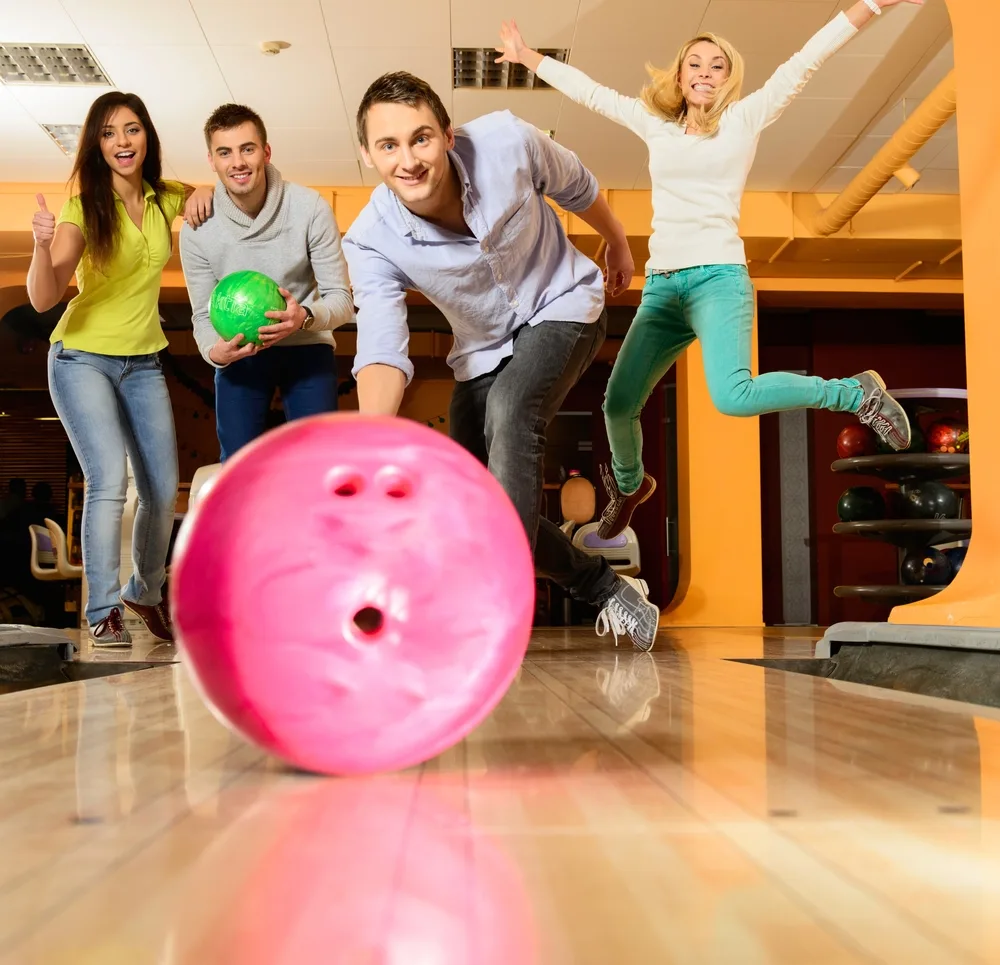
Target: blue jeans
[(713, 303), (111, 405), (306, 376)]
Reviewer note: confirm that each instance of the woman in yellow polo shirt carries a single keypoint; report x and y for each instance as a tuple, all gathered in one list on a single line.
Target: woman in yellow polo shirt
[(104, 368)]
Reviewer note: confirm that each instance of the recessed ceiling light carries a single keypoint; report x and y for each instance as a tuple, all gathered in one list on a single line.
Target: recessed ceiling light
[(50, 64), (475, 67), (67, 136)]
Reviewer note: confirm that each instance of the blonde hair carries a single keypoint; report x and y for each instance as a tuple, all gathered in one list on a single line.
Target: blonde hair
[(664, 97)]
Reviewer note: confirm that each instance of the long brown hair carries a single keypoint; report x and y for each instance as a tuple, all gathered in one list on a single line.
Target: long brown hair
[(93, 176)]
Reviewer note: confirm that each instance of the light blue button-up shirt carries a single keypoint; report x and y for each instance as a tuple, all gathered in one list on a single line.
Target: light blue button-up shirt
[(519, 268)]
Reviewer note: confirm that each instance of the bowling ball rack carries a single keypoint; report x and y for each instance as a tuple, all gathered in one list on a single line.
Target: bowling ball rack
[(909, 535), (905, 534), (908, 467)]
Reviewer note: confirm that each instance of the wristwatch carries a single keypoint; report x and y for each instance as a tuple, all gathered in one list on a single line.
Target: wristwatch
[(309, 319)]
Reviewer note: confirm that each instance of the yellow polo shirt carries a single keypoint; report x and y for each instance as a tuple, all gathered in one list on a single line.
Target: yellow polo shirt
[(115, 312)]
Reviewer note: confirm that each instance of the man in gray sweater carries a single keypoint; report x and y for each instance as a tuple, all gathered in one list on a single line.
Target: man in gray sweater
[(262, 223)]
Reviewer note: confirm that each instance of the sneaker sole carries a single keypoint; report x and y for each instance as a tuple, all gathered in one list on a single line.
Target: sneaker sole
[(116, 645), (613, 534), (645, 591)]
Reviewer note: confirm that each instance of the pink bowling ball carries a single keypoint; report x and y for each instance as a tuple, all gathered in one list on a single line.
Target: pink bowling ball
[(353, 593)]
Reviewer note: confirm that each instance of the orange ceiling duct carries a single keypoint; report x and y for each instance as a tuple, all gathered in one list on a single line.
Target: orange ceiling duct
[(894, 156)]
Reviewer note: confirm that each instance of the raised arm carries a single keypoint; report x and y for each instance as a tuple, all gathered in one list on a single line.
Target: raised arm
[(764, 106), (381, 364), (574, 83), (56, 254)]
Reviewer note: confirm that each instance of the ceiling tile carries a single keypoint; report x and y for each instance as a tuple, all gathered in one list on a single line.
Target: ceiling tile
[(880, 33), (636, 29), (837, 180), (766, 25), (180, 86), (864, 150), (548, 24), (266, 83), (49, 104), (248, 23), (614, 161), (394, 23), (36, 21), (935, 181), (941, 156), (169, 22)]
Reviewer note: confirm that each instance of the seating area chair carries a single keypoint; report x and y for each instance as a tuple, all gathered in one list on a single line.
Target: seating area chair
[(202, 477), (43, 556), (66, 570), (622, 552)]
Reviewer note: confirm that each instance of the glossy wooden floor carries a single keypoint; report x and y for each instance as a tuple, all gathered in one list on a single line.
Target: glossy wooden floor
[(616, 808)]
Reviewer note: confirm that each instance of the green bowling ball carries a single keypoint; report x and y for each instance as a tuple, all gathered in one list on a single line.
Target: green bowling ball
[(239, 302)]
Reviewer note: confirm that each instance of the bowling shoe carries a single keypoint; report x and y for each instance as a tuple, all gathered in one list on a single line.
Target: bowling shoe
[(156, 618), (882, 412), (627, 611), (111, 632), (618, 513)]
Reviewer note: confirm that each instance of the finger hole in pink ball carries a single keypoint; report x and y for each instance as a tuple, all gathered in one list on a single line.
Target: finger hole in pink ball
[(349, 635)]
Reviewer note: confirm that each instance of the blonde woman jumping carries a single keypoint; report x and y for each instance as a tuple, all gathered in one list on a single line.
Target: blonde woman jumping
[(702, 139)]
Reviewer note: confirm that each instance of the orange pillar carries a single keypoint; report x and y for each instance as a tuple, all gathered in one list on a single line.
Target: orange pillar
[(719, 526), (973, 599)]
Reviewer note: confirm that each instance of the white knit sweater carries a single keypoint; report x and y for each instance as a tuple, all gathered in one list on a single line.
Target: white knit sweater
[(698, 181)]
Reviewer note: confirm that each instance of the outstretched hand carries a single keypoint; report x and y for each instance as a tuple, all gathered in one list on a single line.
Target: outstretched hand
[(512, 44), (513, 49)]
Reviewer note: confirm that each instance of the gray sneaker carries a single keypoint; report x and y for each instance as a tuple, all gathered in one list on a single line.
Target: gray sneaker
[(882, 412), (111, 632), (628, 611)]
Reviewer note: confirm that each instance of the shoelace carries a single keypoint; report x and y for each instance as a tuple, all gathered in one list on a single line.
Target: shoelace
[(617, 619), (112, 624), (870, 414), (614, 494), (164, 615), (870, 408)]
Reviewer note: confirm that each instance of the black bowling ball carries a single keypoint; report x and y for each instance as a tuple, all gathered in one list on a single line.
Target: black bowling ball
[(929, 500)]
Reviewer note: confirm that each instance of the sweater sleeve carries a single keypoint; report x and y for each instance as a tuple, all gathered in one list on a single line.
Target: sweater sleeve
[(201, 281), (763, 107), (332, 306), (577, 86)]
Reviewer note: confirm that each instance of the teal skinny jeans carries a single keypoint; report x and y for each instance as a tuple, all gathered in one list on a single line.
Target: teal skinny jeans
[(713, 303)]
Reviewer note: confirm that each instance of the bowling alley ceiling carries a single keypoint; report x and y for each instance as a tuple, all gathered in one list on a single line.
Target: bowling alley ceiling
[(185, 57)]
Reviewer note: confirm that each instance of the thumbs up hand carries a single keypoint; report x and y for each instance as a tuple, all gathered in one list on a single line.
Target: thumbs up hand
[(43, 224)]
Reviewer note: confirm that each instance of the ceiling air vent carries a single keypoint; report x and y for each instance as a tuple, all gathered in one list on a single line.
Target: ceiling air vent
[(50, 64), (67, 136), (475, 67)]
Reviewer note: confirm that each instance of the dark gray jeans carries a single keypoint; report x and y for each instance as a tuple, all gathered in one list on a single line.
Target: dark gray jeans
[(502, 418)]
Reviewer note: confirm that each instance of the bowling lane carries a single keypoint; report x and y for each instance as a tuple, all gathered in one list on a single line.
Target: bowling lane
[(616, 806)]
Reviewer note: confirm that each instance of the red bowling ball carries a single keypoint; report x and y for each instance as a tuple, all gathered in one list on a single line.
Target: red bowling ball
[(856, 440)]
